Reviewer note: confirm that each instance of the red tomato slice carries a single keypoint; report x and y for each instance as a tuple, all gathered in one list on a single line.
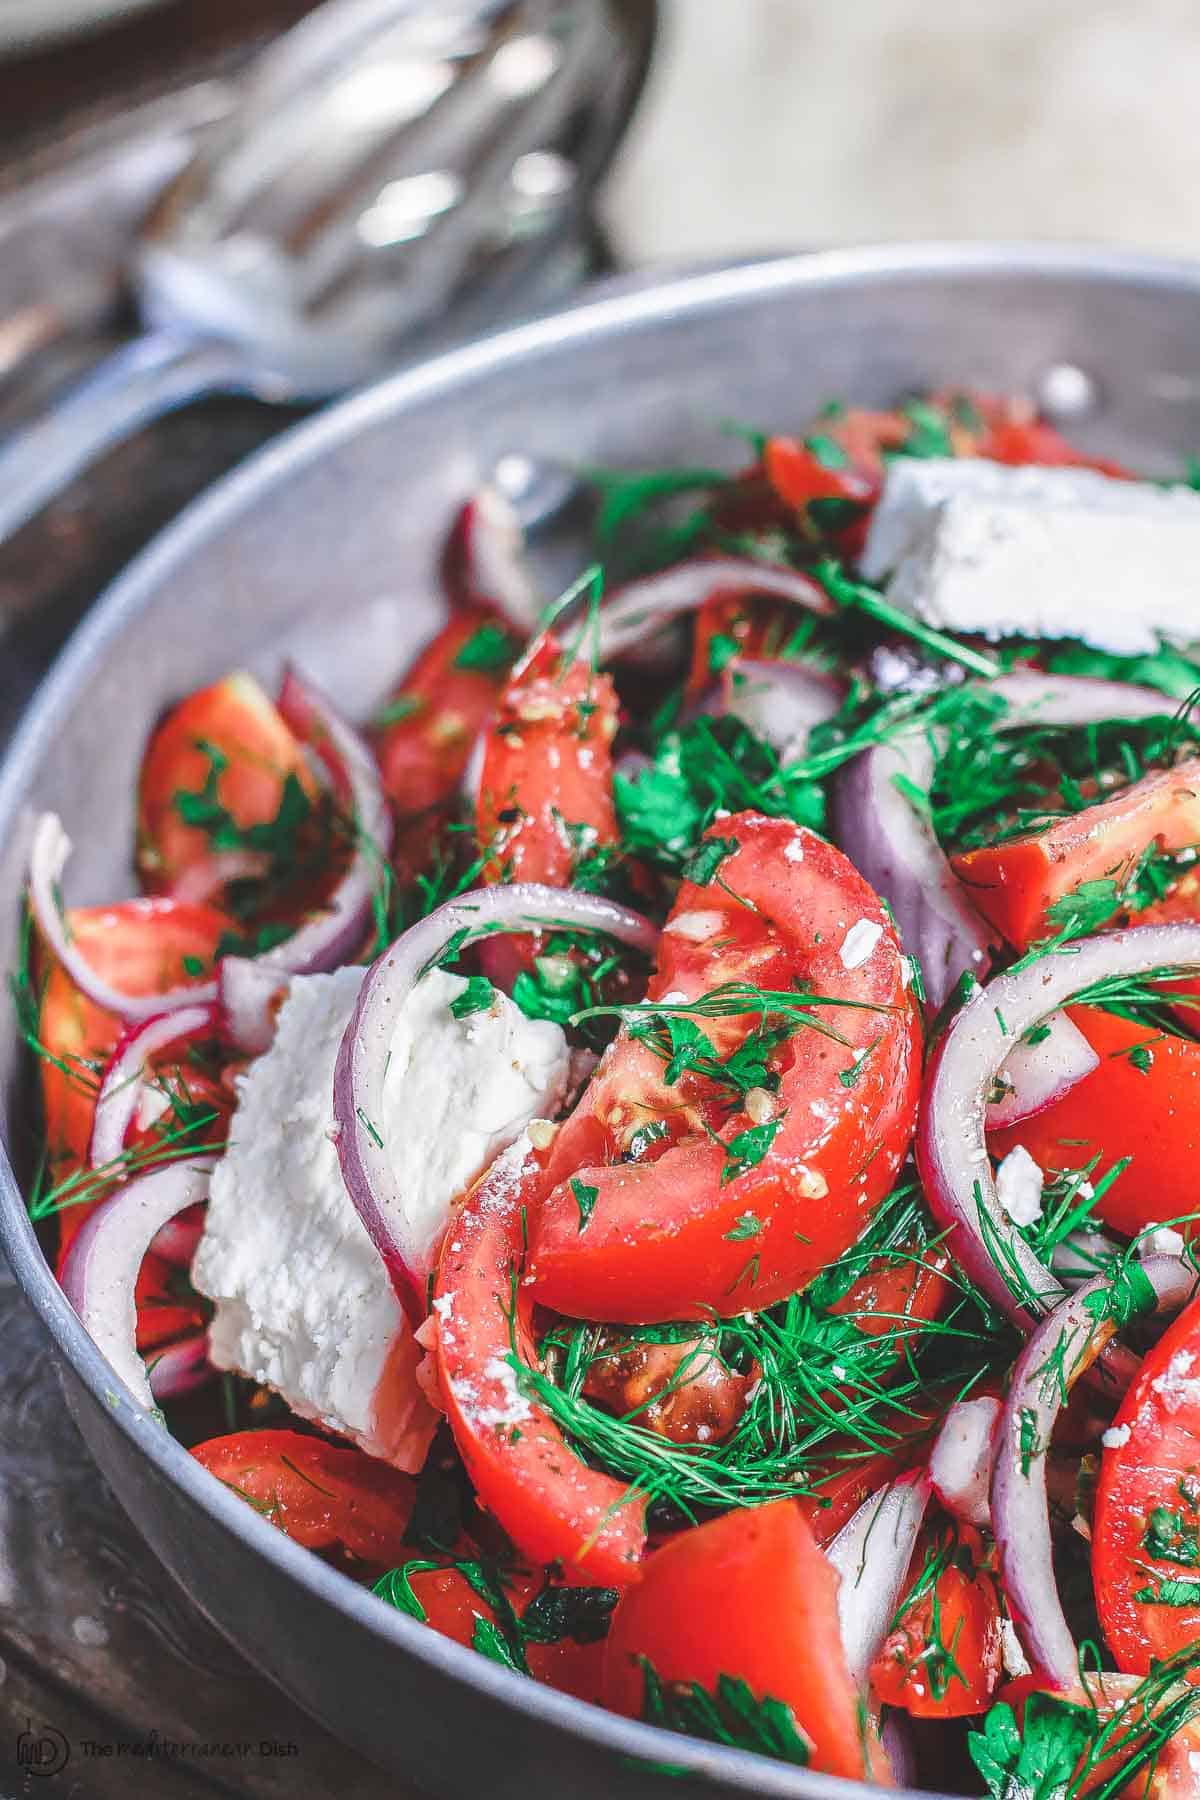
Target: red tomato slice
[(749, 1596), (454, 1607), (141, 946), (1146, 1528), (679, 1225), (1033, 441), (897, 1295), (798, 475), (1173, 1776), (554, 1508), (760, 627), (321, 1495), (1147, 1108), (439, 709), (1015, 883), (943, 1659), (236, 717), (161, 1316)]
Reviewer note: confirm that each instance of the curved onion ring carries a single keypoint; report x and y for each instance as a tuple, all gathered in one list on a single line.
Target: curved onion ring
[(1041, 1379), (640, 608), (1034, 1076), (895, 847), (871, 1553), (484, 561), (362, 1060), (951, 1148), (960, 1464), (327, 940), (101, 1268), (124, 1082), (179, 1367)]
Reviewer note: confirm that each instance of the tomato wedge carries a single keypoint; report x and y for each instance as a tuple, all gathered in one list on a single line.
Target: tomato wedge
[(141, 946), (162, 1314), (235, 719), (430, 725), (1014, 884), (321, 1495), (1146, 1528), (943, 1658), (1143, 1101), (671, 1200), (748, 1596), (454, 1606), (554, 1508)]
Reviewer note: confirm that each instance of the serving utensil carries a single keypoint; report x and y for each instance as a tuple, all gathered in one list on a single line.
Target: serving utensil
[(391, 176)]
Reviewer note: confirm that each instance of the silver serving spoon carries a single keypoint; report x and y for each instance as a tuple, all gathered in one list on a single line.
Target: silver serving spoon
[(386, 181)]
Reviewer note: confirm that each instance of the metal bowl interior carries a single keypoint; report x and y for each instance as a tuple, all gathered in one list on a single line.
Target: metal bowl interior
[(324, 548)]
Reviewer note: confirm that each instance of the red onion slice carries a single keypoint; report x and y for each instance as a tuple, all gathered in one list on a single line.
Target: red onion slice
[(484, 561), (335, 935), (951, 1148), (248, 996), (1034, 1076), (101, 1268), (180, 1367), (871, 1553), (895, 846), (1063, 1347), (960, 1466), (407, 1244), (123, 1082), (48, 857), (636, 611), (779, 701)]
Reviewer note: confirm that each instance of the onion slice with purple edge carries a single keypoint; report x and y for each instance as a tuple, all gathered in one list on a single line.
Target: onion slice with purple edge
[(951, 1148), (326, 941), (960, 1463), (1063, 1347), (895, 847), (1034, 1076), (124, 1083), (101, 1268), (179, 1367), (247, 996), (871, 1553), (640, 608), (484, 561), (406, 1246)]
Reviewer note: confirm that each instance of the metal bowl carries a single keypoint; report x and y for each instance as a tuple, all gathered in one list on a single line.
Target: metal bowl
[(325, 546)]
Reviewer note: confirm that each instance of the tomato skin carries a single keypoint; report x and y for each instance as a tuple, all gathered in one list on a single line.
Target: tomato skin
[(453, 1608), (320, 1495), (1157, 1466), (747, 1595), (1015, 883), (967, 1626), (1174, 1774), (1151, 1115), (239, 720), (553, 1508), (139, 946), (667, 1238), (423, 755), (160, 1316)]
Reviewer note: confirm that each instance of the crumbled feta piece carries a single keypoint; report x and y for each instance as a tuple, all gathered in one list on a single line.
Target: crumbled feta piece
[(696, 927), (1164, 1240), (1015, 1661), (793, 850), (303, 1301), (859, 943), (975, 546), (1177, 1386), (1115, 1437), (1019, 1183)]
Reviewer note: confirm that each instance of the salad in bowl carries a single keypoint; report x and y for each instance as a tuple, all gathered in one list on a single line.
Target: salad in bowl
[(665, 1152)]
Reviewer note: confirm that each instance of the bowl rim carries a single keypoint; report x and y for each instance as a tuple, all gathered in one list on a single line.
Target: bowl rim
[(135, 589)]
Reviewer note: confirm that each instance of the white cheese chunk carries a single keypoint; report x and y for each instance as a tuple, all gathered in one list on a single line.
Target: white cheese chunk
[(303, 1301), (979, 547), (1019, 1183)]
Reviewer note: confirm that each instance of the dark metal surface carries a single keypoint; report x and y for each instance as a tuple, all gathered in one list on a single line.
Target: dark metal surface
[(327, 546)]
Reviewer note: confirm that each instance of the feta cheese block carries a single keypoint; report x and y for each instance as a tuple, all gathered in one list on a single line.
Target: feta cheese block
[(979, 547), (303, 1301)]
